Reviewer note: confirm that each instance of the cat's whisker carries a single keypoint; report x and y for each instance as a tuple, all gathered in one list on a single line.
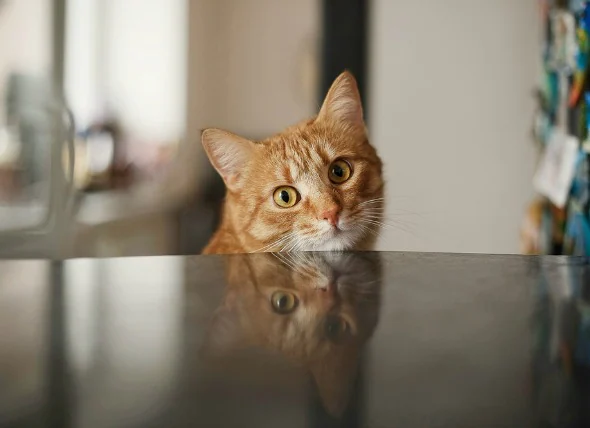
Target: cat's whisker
[(283, 259), (286, 247), (410, 227), (261, 250), (376, 223), (378, 216), (394, 211), (269, 247), (372, 205), (291, 246), (371, 208), (371, 201), (275, 243), (301, 245), (289, 258), (405, 223), (288, 264), (294, 245), (368, 229), (388, 214), (386, 225), (302, 260), (365, 213), (298, 246)]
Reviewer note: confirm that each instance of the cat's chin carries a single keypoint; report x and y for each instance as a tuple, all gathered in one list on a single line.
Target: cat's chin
[(333, 245), (342, 240)]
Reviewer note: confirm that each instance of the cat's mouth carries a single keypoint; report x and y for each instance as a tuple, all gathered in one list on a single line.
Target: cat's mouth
[(335, 229), (340, 237)]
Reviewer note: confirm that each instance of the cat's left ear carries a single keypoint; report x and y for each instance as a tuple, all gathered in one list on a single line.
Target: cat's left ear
[(343, 102), (335, 376), (224, 335), (228, 153)]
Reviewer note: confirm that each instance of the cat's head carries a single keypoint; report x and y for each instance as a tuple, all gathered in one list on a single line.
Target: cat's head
[(316, 310), (315, 186)]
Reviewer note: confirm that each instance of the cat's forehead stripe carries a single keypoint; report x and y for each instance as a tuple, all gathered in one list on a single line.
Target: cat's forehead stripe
[(302, 159), (311, 155), (293, 171)]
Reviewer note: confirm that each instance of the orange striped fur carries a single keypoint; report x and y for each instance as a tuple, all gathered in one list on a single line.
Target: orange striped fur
[(300, 157)]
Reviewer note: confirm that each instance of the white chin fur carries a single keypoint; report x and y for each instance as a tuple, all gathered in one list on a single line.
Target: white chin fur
[(333, 244), (343, 241)]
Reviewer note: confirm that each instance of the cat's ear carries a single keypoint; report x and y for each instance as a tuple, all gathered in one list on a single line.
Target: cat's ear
[(224, 334), (228, 153), (335, 376), (343, 102)]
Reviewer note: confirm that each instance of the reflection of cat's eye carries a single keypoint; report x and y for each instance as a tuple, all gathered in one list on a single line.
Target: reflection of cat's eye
[(335, 327), (283, 302), (339, 172), (285, 196)]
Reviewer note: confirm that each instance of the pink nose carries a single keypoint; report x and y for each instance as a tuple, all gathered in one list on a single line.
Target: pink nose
[(331, 216)]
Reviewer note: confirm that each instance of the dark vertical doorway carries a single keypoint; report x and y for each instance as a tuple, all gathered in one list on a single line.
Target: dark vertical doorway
[(344, 43)]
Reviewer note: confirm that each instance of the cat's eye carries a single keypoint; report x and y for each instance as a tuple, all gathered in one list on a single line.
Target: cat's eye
[(339, 171), (336, 328), (286, 196), (283, 302)]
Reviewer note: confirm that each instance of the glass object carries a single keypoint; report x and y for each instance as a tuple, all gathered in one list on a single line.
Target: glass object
[(35, 193)]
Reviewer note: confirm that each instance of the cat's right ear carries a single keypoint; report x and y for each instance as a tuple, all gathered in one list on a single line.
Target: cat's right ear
[(228, 153), (343, 102)]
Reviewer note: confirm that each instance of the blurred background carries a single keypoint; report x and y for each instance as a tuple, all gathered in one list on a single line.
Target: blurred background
[(102, 103)]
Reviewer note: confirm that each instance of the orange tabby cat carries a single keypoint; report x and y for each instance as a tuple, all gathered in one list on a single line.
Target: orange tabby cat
[(317, 310), (315, 186)]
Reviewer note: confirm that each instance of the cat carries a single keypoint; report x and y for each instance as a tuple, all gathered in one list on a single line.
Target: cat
[(317, 186), (316, 309)]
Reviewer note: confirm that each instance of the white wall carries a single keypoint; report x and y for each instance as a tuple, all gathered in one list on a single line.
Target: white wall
[(451, 108), (249, 68)]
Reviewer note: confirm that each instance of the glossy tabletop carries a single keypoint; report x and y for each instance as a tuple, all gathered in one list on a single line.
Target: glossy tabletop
[(296, 340)]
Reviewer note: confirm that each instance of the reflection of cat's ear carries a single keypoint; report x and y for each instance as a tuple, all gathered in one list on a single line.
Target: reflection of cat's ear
[(335, 376), (223, 335), (228, 153), (343, 102)]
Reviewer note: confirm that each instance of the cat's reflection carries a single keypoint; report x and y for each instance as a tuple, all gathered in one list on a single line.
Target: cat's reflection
[(315, 309)]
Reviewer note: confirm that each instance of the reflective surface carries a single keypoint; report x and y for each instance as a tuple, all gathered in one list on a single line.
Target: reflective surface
[(299, 340)]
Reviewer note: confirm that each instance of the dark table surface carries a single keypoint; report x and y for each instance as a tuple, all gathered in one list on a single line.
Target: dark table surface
[(296, 340)]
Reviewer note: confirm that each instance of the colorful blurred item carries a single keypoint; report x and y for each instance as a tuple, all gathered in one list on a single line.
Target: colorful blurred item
[(561, 128), (101, 163), (553, 225), (563, 47)]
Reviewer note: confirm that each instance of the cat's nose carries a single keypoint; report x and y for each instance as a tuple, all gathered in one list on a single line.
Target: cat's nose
[(330, 292), (331, 215)]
